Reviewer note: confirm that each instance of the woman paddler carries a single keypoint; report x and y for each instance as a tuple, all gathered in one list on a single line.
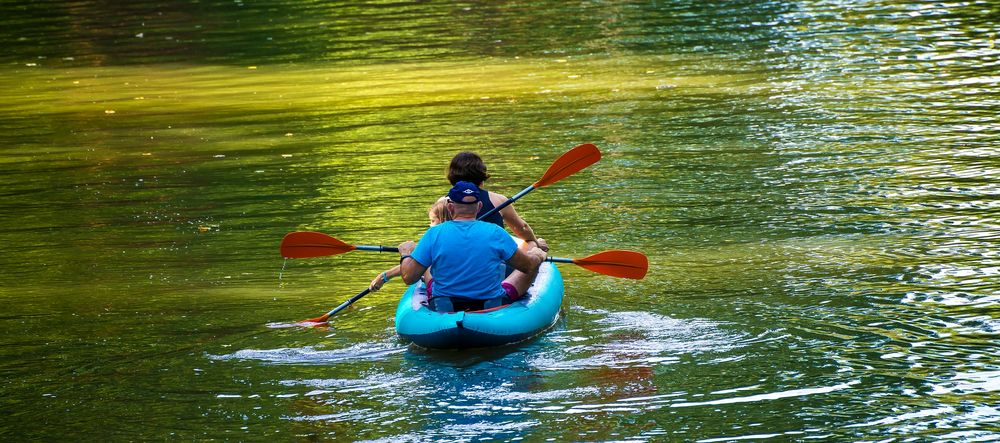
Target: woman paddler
[(469, 167)]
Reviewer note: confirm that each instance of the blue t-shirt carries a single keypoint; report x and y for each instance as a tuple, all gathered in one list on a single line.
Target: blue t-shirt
[(466, 258)]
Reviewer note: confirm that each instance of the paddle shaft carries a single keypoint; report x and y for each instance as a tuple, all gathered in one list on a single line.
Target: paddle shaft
[(569, 163), (507, 203), (377, 248), (395, 249), (348, 302)]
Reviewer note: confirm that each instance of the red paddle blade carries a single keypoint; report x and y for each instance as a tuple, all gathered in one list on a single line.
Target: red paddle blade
[(616, 263), (321, 319), (573, 161), (312, 244)]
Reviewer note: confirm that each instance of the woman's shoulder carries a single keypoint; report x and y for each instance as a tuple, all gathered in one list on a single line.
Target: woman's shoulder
[(496, 198)]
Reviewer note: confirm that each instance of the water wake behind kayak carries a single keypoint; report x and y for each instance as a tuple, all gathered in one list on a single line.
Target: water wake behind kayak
[(311, 355)]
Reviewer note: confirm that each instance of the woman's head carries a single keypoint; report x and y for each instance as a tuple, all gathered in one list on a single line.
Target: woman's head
[(439, 211), (468, 167)]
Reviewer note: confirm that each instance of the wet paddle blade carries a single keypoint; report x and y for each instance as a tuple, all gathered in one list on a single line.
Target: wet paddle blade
[(307, 244), (570, 163), (310, 321), (616, 263)]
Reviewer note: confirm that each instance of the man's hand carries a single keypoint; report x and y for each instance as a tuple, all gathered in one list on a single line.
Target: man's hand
[(411, 270), (542, 244), (536, 243), (537, 256)]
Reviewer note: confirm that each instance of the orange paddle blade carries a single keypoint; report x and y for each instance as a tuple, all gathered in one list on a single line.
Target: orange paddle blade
[(321, 319), (312, 244), (570, 163), (616, 263)]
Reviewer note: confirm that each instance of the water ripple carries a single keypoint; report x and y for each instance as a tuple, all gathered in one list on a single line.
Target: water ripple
[(635, 339), (311, 355)]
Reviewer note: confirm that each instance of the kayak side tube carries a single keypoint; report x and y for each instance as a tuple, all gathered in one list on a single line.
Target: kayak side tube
[(518, 321)]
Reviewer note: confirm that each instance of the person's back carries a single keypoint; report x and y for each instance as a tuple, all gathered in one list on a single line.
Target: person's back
[(495, 218), (467, 258)]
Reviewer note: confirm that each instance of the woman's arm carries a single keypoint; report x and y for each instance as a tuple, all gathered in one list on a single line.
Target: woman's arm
[(384, 277), (518, 226)]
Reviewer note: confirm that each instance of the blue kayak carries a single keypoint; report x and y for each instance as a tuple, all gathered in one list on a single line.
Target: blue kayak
[(518, 321)]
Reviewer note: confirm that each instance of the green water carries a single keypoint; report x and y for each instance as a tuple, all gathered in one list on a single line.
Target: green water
[(815, 185)]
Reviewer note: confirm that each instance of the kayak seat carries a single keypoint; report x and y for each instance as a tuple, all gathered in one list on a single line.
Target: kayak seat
[(458, 304)]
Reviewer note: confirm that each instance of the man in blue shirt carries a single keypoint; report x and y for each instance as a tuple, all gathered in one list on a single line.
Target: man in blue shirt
[(467, 258)]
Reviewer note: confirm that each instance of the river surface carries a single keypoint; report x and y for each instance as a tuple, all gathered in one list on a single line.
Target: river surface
[(815, 183)]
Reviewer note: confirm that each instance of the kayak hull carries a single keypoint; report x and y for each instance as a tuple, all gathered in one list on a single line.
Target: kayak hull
[(518, 321)]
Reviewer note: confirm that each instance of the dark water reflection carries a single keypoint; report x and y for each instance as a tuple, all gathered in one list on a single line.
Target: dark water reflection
[(815, 184)]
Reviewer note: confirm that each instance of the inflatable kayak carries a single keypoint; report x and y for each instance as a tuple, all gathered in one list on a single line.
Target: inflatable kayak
[(518, 321)]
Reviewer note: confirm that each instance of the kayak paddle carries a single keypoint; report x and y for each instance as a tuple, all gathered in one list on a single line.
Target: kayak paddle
[(315, 244), (307, 244), (571, 162), (616, 263)]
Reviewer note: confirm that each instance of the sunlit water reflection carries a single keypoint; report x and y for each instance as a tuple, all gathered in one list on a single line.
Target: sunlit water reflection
[(814, 182)]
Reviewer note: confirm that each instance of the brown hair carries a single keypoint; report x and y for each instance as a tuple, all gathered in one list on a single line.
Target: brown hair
[(469, 167)]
